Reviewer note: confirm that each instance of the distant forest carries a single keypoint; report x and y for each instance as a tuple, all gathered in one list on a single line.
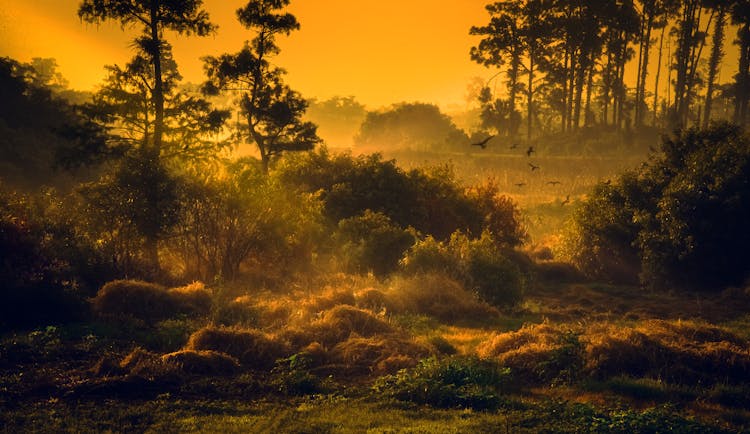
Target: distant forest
[(567, 64)]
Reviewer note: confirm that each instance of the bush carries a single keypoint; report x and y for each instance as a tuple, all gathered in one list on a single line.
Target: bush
[(430, 200), (451, 382), (681, 221), (479, 264), (372, 243)]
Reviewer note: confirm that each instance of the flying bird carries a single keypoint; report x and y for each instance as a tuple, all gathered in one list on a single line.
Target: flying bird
[(553, 183), (533, 167), (530, 151), (566, 201), (514, 146), (483, 143), (520, 184)]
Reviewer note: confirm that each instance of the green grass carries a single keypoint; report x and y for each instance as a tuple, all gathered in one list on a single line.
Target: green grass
[(338, 414)]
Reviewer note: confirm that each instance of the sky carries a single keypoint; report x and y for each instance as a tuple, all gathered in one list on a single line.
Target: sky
[(380, 51)]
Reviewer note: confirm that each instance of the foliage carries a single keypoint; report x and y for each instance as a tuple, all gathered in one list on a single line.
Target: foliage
[(272, 111), (372, 243), (238, 217), (338, 118), (416, 126), (432, 201), (479, 264), (450, 382), (681, 220)]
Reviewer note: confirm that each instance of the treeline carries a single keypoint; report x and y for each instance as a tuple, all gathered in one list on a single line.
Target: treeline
[(566, 64)]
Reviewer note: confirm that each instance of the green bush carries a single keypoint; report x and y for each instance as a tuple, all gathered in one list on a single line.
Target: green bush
[(451, 382), (371, 242), (479, 264), (431, 200), (679, 222)]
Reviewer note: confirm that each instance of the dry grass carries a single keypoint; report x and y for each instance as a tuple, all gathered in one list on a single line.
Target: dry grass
[(150, 302), (685, 352), (438, 296), (252, 348), (202, 362), (379, 354), (136, 299), (141, 362), (328, 299), (193, 298), (341, 322)]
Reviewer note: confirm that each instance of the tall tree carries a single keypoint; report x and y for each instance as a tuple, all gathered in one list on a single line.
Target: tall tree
[(273, 112), (717, 53), (741, 18), (516, 35), (154, 18)]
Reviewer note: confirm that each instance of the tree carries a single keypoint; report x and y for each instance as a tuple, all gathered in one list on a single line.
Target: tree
[(717, 53), (154, 17), (417, 125), (741, 18), (517, 31), (271, 109)]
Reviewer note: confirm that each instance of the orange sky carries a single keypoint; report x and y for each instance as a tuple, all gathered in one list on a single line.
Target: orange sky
[(381, 51)]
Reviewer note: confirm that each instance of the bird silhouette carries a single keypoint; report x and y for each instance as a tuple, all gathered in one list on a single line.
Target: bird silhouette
[(514, 146), (566, 201), (520, 184), (530, 151), (553, 183), (483, 143), (533, 167)]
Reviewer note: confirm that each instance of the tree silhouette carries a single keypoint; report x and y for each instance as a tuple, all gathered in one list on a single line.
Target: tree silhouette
[(154, 17), (271, 109)]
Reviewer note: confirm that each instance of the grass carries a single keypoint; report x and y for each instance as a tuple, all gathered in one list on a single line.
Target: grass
[(306, 361)]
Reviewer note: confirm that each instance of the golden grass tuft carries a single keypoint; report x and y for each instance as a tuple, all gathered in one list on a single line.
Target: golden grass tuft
[(329, 299), (252, 348), (379, 354), (438, 296), (373, 299), (674, 351), (134, 298), (140, 362), (337, 324), (204, 362), (193, 298)]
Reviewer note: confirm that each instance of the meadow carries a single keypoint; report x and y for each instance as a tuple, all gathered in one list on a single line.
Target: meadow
[(414, 351)]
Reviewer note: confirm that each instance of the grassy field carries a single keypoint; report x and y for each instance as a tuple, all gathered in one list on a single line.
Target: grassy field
[(331, 352), (582, 357)]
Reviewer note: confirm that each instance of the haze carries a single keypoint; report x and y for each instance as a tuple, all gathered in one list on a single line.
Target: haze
[(381, 51)]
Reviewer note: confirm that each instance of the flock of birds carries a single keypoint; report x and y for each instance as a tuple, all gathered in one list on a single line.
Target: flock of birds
[(529, 151)]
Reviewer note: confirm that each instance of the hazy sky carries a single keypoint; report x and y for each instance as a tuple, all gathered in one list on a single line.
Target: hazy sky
[(381, 51)]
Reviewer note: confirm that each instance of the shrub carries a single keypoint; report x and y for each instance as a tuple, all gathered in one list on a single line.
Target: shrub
[(430, 200), (372, 243), (339, 323), (253, 348), (451, 382), (681, 221), (479, 264)]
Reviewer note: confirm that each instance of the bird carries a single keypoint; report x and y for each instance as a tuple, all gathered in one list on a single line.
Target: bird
[(607, 182), (483, 143), (553, 183), (514, 146), (530, 151), (520, 184), (533, 167), (566, 201)]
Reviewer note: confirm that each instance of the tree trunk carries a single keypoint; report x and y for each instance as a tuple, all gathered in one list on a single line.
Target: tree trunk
[(640, 102), (530, 99), (158, 91), (714, 62), (658, 75)]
